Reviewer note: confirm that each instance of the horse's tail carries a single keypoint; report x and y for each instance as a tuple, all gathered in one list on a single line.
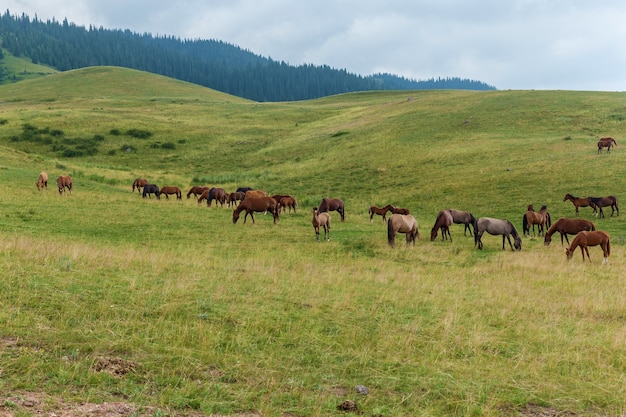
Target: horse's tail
[(390, 232), (608, 247), (525, 227)]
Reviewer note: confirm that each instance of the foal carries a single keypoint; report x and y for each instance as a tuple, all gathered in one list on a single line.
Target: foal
[(321, 220)]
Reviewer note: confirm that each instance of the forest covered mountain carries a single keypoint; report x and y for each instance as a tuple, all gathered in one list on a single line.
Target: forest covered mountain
[(210, 63)]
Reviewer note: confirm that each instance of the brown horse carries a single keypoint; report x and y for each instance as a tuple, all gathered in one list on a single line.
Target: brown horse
[(259, 205), (401, 223), (381, 211), (610, 201), (217, 194), (463, 217), (234, 197), (333, 204), (288, 202), (171, 190), (321, 220), (254, 194), (496, 227), (579, 202), (443, 222), (400, 210), (42, 181), (567, 227), (139, 183), (204, 196), (532, 218), (196, 190), (606, 143), (63, 182), (586, 239)]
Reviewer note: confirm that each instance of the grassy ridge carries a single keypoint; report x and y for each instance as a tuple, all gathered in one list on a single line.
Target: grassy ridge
[(225, 318)]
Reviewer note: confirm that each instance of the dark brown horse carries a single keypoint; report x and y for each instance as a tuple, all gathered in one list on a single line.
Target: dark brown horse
[(401, 223), (532, 218), (333, 204), (443, 223), (259, 205), (139, 183), (586, 239), (288, 202), (234, 197), (196, 190), (42, 181), (496, 227), (168, 190), (65, 182), (567, 227), (321, 220), (609, 201), (217, 194), (606, 143), (400, 210), (463, 217), (579, 202), (381, 211)]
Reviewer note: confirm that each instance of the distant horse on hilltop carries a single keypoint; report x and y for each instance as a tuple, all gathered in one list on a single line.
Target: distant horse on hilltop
[(606, 143)]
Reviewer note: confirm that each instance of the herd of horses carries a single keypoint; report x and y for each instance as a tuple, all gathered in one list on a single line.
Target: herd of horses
[(251, 201)]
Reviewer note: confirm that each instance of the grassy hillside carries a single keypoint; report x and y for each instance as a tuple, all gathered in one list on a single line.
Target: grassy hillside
[(18, 69), (200, 315)]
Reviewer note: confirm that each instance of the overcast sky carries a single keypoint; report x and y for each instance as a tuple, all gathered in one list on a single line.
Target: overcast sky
[(510, 44)]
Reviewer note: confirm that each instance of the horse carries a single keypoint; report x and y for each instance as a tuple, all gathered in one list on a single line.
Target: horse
[(443, 222), (168, 189), (217, 194), (610, 201), (321, 220), (463, 217), (579, 202), (151, 189), (42, 181), (244, 189), (585, 239), (400, 210), (333, 204), (567, 227), (402, 223), (532, 218), (381, 211), (63, 182), (496, 227), (251, 205), (139, 183), (196, 190), (254, 194), (234, 197), (204, 195), (289, 202), (606, 143)]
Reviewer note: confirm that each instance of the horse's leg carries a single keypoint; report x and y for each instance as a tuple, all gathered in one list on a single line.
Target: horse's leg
[(587, 251)]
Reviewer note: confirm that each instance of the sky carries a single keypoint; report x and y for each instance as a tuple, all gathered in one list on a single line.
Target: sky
[(509, 44)]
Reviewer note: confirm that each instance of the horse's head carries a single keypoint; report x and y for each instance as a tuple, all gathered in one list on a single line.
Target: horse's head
[(547, 239), (235, 216), (517, 243), (433, 234), (569, 253)]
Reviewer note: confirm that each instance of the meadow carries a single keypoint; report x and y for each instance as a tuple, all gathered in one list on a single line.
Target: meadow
[(168, 305)]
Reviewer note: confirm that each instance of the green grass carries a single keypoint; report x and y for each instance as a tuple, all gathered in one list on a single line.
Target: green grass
[(228, 319)]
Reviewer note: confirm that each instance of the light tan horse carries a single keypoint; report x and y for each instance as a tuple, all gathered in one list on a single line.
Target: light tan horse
[(593, 238), (321, 220), (42, 181), (402, 223), (63, 182)]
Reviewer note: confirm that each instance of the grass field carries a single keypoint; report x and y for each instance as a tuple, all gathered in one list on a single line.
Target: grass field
[(168, 305)]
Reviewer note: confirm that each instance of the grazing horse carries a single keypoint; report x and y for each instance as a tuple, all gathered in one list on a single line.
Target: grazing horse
[(606, 143), (532, 218), (168, 189), (333, 204), (196, 190), (42, 181), (381, 211), (63, 182), (610, 201), (289, 202), (259, 205), (443, 222), (567, 227), (234, 197), (139, 183), (496, 227), (586, 239), (399, 210), (321, 220), (149, 189), (402, 223), (579, 202), (217, 194), (254, 194), (463, 217)]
